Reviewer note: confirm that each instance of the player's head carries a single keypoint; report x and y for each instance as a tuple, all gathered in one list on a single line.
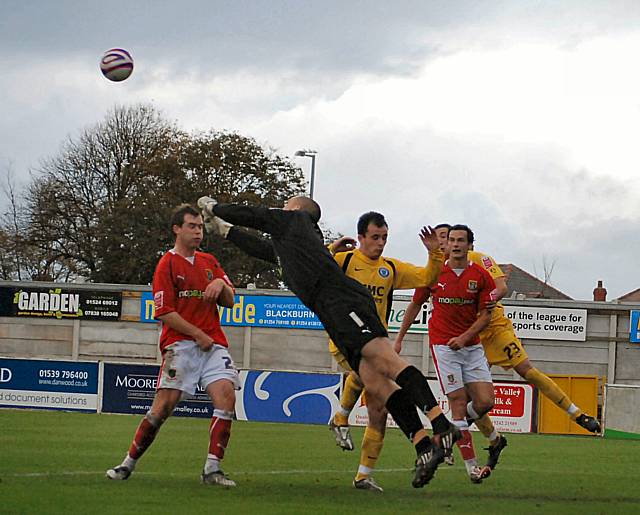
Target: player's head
[(460, 240), (372, 234), (187, 225), (304, 204), (442, 232)]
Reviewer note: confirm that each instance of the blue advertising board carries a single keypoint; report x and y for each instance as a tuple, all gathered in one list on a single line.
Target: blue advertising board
[(130, 389), (65, 385), (264, 396), (254, 311), (288, 397), (634, 326)]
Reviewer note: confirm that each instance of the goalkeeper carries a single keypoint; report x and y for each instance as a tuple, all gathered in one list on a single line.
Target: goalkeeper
[(348, 313)]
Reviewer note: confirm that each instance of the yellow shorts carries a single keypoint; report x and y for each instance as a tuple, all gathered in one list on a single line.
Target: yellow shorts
[(502, 346), (340, 359)]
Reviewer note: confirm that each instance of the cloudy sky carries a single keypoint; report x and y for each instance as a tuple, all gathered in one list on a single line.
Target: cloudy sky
[(519, 118)]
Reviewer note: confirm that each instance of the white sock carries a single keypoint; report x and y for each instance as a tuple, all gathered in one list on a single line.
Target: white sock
[(343, 411), (469, 464), (571, 410), (471, 412), (493, 436), (366, 471), (129, 462), (212, 464)]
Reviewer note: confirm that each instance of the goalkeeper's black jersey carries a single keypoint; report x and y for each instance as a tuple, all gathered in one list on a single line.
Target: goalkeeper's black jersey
[(307, 265)]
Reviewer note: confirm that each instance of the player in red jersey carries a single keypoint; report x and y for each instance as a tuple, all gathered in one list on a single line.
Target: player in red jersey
[(187, 287), (460, 313)]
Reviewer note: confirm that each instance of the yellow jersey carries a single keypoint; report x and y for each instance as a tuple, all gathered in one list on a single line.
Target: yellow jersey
[(384, 275)]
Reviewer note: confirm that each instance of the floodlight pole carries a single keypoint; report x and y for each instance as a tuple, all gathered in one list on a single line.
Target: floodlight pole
[(312, 154)]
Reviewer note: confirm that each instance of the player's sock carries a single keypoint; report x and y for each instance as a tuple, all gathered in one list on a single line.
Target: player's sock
[(219, 434), (350, 393), (552, 391), (145, 434), (129, 462), (470, 465), (485, 425), (372, 442), (403, 411), (471, 411), (415, 384), (341, 418), (465, 444)]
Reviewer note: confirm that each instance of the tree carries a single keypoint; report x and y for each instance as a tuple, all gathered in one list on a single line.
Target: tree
[(233, 168), (101, 207)]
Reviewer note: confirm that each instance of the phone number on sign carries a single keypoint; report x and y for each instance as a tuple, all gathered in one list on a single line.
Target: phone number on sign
[(64, 374)]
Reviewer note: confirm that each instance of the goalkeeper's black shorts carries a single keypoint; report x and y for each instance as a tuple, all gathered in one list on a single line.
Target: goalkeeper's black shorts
[(350, 317)]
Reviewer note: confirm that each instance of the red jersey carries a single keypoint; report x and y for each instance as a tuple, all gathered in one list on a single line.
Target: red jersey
[(178, 285), (456, 301)]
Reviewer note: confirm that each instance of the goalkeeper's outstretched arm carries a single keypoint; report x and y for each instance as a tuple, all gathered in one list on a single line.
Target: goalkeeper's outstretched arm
[(260, 248)]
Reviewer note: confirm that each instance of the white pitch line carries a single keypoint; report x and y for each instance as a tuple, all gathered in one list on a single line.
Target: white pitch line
[(235, 472), (503, 469)]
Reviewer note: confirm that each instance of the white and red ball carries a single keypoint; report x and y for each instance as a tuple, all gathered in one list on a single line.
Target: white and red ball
[(116, 64)]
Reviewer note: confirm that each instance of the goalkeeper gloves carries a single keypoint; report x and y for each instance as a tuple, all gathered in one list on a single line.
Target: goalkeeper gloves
[(213, 223)]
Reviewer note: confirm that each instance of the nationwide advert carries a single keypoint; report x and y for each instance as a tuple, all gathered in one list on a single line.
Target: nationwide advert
[(60, 303), (63, 385), (254, 311)]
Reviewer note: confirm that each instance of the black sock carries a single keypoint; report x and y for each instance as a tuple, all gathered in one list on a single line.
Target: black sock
[(440, 424), (404, 413), (423, 445), (415, 384)]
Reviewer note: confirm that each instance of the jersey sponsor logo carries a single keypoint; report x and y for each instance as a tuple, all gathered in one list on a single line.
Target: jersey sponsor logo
[(383, 272), (376, 291), (486, 261), (190, 294), (472, 286), (454, 300), (158, 299)]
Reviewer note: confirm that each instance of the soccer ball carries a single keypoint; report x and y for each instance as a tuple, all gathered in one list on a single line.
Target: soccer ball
[(116, 64)]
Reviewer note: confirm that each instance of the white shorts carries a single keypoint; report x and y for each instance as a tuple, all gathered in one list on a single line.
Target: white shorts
[(456, 368), (185, 365)]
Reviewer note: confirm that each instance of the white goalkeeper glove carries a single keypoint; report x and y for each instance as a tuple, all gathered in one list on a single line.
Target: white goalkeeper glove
[(212, 223), (217, 225), (206, 205)]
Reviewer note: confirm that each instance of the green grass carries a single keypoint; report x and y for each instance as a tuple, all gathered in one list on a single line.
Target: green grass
[(54, 462)]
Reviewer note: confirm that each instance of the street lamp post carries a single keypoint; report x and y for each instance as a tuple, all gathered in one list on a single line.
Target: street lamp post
[(312, 154)]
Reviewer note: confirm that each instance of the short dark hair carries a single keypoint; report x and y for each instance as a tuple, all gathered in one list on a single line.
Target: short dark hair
[(442, 226), (461, 227), (310, 206), (177, 215), (371, 217)]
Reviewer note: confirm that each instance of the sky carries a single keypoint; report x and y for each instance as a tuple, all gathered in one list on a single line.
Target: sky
[(518, 118)]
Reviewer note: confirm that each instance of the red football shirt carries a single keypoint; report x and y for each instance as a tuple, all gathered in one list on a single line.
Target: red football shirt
[(178, 285), (456, 301)]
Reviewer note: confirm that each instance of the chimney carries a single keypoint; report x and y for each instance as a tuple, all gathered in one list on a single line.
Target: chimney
[(599, 293)]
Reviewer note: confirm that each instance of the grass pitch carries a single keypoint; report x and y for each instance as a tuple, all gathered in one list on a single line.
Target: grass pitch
[(54, 462)]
